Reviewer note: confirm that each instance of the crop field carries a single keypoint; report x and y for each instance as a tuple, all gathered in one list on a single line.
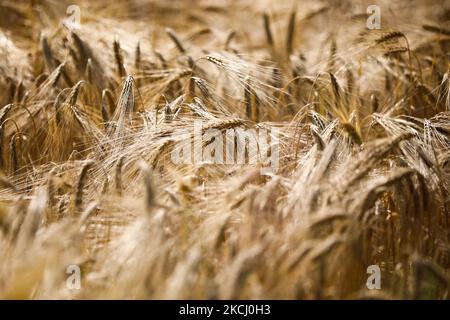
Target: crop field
[(220, 149)]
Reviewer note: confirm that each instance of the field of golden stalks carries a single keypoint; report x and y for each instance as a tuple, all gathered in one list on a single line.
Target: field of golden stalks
[(347, 198)]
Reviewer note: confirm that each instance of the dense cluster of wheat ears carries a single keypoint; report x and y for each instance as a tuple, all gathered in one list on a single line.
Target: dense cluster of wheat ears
[(89, 115)]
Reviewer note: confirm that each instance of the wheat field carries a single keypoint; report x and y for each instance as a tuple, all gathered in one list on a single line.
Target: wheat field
[(95, 96)]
